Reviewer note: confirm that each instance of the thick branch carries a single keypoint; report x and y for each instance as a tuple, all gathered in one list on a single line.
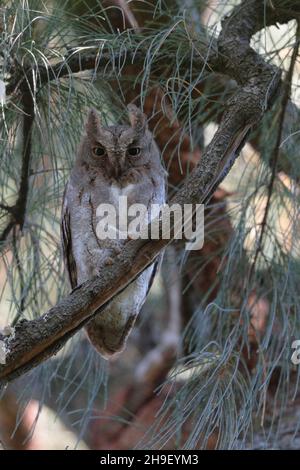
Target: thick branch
[(36, 340)]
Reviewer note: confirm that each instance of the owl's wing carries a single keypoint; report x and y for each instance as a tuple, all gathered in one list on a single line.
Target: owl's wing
[(66, 239)]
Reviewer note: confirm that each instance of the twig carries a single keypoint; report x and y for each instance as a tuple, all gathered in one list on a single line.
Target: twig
[(28, 119), (75, 63), (6, 231), (21, 306), (6, 208)]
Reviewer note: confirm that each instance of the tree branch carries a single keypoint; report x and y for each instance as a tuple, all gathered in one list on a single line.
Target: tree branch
[(5, 208), (34, 341), (18, 210)]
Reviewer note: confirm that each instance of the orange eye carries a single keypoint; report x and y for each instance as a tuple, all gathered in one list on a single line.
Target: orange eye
[(99, 151), (133, 151)]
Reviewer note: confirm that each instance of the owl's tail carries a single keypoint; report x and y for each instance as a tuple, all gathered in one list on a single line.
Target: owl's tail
[(108, 335)]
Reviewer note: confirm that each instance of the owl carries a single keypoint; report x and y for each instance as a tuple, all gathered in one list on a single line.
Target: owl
[(112, 161)]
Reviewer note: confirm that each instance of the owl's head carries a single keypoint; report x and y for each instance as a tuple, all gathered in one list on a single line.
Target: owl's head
[(115, 150)]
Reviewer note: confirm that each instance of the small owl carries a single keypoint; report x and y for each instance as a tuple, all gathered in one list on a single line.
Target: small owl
[(112, 161)]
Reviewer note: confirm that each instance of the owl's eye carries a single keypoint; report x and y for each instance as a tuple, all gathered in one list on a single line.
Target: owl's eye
[(133, 151), (99, 151)]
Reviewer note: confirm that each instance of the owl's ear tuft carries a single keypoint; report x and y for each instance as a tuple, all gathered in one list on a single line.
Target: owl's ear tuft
[(93, 123), (137, 118)]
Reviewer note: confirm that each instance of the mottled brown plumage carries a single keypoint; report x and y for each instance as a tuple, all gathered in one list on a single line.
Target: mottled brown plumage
[(111, 162)]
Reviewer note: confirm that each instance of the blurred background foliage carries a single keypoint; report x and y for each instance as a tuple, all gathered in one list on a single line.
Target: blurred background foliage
[(209, 362)]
